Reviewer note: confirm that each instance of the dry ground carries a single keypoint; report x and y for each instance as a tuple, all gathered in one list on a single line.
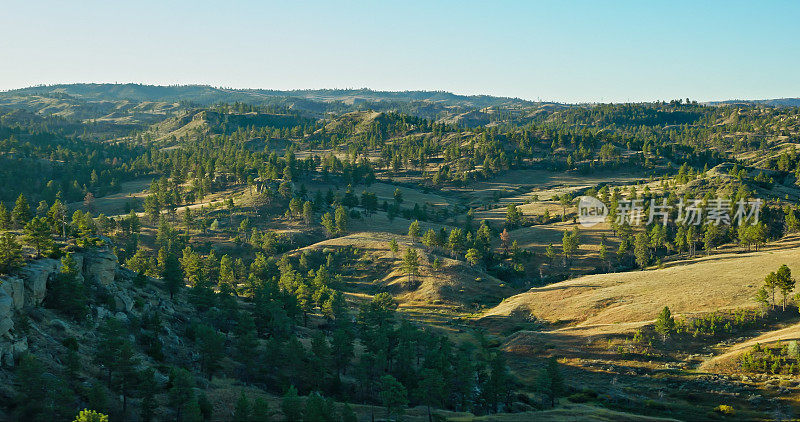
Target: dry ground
[(726, 360), (597, 304), (519, 185), (434, 296)]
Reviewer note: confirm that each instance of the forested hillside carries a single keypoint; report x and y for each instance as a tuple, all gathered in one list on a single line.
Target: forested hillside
[(351, 255)]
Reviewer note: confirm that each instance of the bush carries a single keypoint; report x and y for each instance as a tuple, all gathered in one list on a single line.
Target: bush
[(724, 409), (581, 397)]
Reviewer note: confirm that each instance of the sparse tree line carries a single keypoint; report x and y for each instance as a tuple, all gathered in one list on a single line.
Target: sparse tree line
[(716, 324)]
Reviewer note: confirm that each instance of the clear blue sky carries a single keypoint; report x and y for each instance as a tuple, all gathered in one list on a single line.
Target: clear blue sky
[(570, 51)]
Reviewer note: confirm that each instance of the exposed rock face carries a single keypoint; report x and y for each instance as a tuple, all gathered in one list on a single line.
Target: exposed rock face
[(15, 288), (100, 267), (6, 304), (28, 288), (6, 353), (35, 276), (6, 308)]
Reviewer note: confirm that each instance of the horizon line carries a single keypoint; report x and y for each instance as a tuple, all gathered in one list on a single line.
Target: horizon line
[(538, 101)]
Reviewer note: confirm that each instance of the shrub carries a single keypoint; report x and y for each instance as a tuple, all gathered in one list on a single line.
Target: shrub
[(581, 397), (724, 409)]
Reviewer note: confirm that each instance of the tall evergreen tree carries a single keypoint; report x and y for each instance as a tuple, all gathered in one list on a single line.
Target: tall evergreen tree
[(21, 213)]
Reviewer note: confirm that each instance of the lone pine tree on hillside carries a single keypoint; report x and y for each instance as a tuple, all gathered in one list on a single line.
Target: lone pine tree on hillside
[(411, 263), (569, 245), (771, 284), (513, 215), (665, 323), (414, 230), (784, 282)]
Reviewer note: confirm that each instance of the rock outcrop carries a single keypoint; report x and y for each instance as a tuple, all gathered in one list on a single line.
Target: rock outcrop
[(28, 288), (14, 288), (35, 276), (100, 267)]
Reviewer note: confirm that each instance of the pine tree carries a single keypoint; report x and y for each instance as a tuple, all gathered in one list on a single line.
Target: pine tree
[(347, 414), (21, 213), (341, 349), (341, 220), (10, 253), (5, 217), (149, 389), (785, 282), (242, 411), (126, 377), (98, 397), (762, 297), (66, 292), (431, 389), (31, 393), (308, 212), (791, 222), (513, 215), (172, 274), (414, 230), (328, 223), (206, 408), (37, 235), (318, 408), (473, 256), (551, 382), (292, 405), (771, 283), (112, 339), (497, 386), (260, 411), (411, 263), (665, 323), (641, 250), (211, 345), (182, 391), (569, 245), (393, 395)]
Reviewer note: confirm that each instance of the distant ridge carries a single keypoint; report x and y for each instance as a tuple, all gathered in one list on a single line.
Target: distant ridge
[(777, 102), (205, 94)]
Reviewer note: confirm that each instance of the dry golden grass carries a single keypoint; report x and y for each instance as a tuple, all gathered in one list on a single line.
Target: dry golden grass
[(385, 192), (114, 204), (566, 412), (519, 185), (602, 303), (727, 359), (455, 283)]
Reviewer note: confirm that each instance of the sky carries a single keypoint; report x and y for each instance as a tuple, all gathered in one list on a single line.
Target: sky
[(566, 51)]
